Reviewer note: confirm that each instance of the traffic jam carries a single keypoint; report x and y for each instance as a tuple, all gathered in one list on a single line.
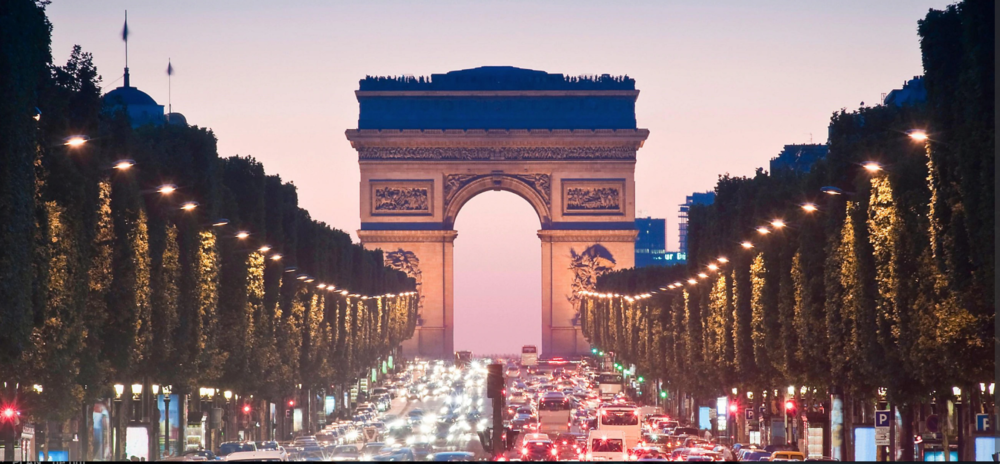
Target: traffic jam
[(550, 410)]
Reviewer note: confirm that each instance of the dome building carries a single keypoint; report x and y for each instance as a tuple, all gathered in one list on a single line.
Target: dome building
[(140, 108)]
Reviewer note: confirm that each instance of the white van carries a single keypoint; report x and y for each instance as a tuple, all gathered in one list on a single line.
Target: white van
[(606, 445), (258, 456)]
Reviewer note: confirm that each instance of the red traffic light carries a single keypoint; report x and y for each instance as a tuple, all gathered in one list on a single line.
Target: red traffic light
[(291, 403), (789, 405), (9, 413), (733, 408), (246, 408)]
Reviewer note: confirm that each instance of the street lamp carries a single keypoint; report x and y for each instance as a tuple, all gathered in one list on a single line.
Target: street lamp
[(722, 259), (123, 165), (117, 406), (917, 135), (264, 249), (276, 257), (76, 141), (763, 230), (189, 205), (777, 223), (167, 189), (166, 420), (713, 267), (746, 245), (872, 167), (242, 234), (809, 207), (220, 222)]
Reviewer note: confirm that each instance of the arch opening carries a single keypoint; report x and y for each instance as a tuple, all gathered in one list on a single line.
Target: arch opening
[(497, 183), (498, 286)]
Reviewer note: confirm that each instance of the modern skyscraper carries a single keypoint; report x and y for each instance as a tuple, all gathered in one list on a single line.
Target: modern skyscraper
[(705, 198)]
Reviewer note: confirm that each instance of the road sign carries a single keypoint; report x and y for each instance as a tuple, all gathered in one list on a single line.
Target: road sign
[(983, 423), (882, 418), (748, 412)]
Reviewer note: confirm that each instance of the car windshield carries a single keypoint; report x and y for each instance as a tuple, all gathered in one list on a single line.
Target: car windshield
[(606, 445), (345, 449)]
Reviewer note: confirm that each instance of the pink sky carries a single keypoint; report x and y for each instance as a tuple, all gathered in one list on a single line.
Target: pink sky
[(724, 85)]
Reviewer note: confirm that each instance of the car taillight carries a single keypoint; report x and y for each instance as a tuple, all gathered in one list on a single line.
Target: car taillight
[(524, 450), (555, 452)]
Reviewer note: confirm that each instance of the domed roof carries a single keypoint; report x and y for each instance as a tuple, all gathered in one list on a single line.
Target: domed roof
[(129, 96), (176, 118)]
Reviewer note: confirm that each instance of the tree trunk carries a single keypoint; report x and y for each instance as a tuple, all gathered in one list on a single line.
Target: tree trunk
[(907, 432)]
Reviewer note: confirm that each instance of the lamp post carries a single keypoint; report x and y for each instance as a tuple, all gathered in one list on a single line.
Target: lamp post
[(226, 427), (154, 424), (958, 422), (116, 412), (166, 421)]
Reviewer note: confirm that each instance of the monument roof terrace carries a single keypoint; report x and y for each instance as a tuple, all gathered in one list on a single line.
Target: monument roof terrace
[(496, 78), (497, 97)]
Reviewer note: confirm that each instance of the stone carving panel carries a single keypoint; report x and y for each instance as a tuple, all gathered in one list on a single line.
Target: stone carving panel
[(593, 196), (495, 153), (407, 261), (401, 197), (586, 267), (540, 183)]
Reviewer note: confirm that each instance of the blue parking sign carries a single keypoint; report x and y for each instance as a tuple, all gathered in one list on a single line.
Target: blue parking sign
[(882, 418), (749, 413), (983, 423)]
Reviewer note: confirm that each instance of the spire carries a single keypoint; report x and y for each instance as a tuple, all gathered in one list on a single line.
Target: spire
[(170, 105), (125, 38)]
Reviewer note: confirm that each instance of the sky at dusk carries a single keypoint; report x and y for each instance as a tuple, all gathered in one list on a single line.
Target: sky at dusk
[(723, 86)]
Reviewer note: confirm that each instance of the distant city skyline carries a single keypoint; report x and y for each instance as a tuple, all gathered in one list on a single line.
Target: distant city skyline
[(723, 87)]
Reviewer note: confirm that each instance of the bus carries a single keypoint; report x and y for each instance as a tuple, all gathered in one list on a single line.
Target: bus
[(627, 420), (529, 356), (554, 413), (610, 384)]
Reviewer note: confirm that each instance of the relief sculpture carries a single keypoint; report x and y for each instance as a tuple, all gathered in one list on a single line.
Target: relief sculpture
[(593, 199), (407, 199), (587, 266), (407, 261)]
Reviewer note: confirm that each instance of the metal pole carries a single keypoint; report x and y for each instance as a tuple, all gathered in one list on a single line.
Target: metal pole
[(166, 423)]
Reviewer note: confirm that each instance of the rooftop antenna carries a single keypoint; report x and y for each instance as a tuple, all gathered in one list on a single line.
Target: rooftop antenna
[(125, 38), (170, 105)]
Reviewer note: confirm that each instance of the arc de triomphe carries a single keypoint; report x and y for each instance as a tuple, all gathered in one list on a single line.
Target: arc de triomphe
[(566, 145)]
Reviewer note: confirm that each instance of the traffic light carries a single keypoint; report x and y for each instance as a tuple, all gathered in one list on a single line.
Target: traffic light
[(593, 350), (246, 409), (733, 407), (8, 414), (494, 381), (790, 408), (663, 393), (291, 403)]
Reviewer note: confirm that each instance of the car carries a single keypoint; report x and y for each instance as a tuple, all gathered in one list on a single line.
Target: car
[(452, 456), (204, 455), (396, 454), (788, 455), (538, 449), (371, 449), (234, 446), (345, 453)]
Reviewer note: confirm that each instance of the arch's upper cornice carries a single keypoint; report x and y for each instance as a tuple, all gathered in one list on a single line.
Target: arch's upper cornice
[(395, 138)]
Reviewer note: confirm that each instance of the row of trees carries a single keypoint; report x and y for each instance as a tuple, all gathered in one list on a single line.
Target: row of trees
[(889, 284), (105, 279)]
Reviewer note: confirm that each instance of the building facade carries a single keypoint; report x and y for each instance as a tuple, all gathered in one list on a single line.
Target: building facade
[(705, 198)]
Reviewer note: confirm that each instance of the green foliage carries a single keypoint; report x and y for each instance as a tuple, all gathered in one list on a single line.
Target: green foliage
[(894, 290)]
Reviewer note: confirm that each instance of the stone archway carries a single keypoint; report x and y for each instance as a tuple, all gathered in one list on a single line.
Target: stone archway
[(423, 153)]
